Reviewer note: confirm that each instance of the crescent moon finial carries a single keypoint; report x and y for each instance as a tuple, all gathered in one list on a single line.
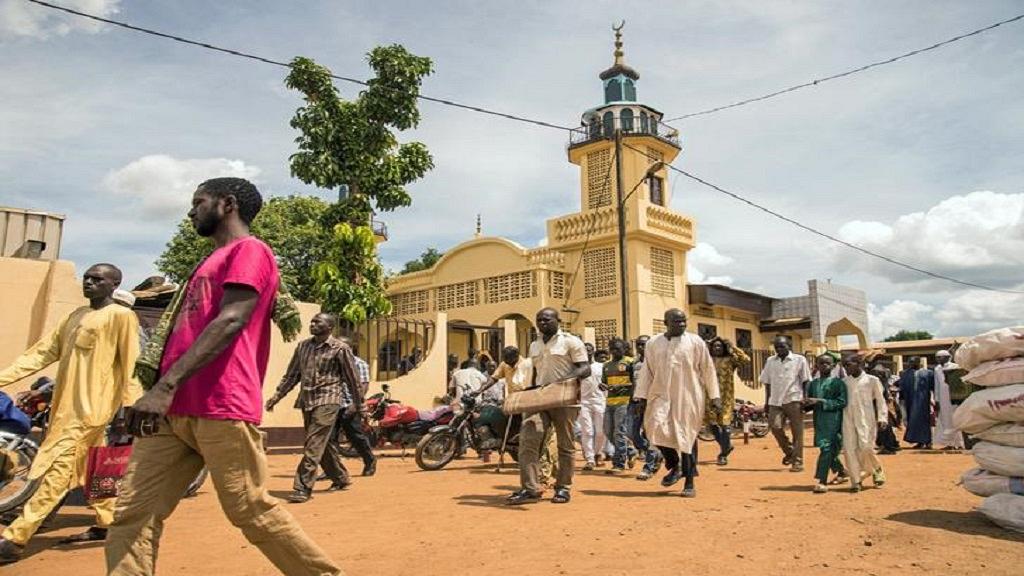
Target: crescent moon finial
[(619, 27)]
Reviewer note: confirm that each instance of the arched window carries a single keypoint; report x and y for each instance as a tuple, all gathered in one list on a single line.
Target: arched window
[(594, 126), (609, 124), (643, 121), (629, 90), (626, 120), (613, 90)]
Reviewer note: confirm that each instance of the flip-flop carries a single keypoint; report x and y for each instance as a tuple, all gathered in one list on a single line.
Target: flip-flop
[(93, 534)]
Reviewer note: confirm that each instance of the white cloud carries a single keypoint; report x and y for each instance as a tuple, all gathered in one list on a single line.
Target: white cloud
[(162, 186), (977, 237), (22, 19), (977, 311), (704, 257), (899, 315)]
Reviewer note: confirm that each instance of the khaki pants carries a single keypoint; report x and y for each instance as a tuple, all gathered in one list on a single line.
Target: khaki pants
[(777, 415), (548, 463), (531, 437), (53, 485), (161, 468)]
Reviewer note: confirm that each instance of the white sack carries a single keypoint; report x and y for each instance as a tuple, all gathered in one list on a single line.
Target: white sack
[(1006, 510), (992, 345), (997, 372), (1007, 434), (986, 408), (1002, 460), (984, 483)]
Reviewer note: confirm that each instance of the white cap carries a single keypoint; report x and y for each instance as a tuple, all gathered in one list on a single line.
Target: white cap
[(124, 297), (943, 353)]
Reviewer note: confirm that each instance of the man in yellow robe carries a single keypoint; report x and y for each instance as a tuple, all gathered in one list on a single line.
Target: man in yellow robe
[(95, 348)]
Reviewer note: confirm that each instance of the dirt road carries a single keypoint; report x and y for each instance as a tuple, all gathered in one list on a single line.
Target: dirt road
[(751, 517)]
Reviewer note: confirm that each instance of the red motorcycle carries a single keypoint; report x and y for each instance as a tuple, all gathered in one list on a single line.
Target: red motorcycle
[(743, 413), (395, 424)]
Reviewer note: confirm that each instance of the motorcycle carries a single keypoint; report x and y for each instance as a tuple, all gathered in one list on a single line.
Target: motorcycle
[(743, 412), (19, 451), (482, 427), (391, 422)]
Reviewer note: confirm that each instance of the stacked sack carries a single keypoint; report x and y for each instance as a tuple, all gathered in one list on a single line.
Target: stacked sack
[(995, 416)]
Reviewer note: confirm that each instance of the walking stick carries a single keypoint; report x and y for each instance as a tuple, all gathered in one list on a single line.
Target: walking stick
[(504, 442)]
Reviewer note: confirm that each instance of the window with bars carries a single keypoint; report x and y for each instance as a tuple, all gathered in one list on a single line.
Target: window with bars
[(556, 285), (707, 331), (599, 182), (657, 190), (507, 287), (458, 295), (407, 303), (663, 272), (604, 330), (599, 275)]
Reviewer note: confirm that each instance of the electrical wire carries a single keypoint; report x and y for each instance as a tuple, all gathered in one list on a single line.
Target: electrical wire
[(825, 235), (241, 54), (563, 128), (849, 72), (586, 239)]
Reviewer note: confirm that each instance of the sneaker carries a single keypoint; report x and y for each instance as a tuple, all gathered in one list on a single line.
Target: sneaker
[(796, 467), (878, 477), (644, 475), (671, 478), (820, 489), (839, 479), (615, 470), (588, 466), (690, 492)]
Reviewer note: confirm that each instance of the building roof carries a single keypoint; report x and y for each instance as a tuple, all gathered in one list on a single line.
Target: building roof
[(721, 295)]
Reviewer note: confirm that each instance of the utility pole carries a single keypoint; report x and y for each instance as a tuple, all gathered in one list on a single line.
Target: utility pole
[(620, 202)]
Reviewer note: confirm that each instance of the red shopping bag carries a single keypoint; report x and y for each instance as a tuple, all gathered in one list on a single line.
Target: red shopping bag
[(104, 470)]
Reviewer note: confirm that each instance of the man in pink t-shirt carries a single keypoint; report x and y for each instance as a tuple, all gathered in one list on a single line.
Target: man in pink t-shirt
[(206, 405)]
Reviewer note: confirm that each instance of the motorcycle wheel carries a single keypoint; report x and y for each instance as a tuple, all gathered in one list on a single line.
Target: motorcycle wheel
[(16, 490), (759, 427), (706, 434), (196, 483), (436, 450)]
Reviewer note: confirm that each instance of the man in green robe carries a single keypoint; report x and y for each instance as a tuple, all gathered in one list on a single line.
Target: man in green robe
[(827, 397)]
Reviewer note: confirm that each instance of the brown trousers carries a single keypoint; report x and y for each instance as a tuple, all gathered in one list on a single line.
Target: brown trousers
[(320, 449), (777, 415), (161, 468), (531, 438)]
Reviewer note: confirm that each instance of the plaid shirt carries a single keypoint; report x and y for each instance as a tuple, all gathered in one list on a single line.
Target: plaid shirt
[(327, 372), (363, 370)]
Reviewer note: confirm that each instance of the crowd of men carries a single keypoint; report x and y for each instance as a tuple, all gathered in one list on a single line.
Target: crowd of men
[(192, 397)]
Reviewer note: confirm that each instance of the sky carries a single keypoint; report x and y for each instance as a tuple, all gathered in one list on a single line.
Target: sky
[(922, 160)]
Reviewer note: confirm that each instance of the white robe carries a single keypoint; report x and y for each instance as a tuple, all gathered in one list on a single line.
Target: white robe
[(945, 433), (676, 376), (865, 410)]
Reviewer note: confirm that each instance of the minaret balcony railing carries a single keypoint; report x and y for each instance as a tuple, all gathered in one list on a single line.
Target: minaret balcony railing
[(630, 127)]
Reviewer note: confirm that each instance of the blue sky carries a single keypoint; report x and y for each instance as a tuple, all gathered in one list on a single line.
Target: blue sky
[(920, 159)]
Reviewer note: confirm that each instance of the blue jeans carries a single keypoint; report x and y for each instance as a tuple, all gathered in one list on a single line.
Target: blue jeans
[(615, 429), (635, 425)]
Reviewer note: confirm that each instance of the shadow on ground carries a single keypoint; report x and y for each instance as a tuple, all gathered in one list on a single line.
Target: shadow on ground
[(495, 499), (970, 523)]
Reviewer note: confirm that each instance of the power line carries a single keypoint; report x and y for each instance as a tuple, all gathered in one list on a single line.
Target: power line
[(241, 54), (848, 72), (826, 235), (563, 128), (590, 230)]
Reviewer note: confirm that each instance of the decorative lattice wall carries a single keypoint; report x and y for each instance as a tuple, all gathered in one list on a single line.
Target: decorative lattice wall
[(407, 303), (599, 274), (599, 179), (508, 287), (604, 330), (556, 285), (459, 295), (657, 326), (663, 272)]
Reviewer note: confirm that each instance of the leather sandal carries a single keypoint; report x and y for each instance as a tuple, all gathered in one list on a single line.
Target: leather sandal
[(561, 496), (522, 497)]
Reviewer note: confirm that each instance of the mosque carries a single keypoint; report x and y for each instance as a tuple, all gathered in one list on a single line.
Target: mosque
[(486, 282)]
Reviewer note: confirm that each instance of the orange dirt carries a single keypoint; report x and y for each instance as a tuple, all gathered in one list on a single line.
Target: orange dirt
[(751, 517)]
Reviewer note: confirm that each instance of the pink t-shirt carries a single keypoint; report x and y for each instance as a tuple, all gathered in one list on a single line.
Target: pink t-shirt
[(229, 387)]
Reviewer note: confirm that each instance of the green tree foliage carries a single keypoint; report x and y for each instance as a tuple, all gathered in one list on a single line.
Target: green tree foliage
[(427, 259), (352, 143), (904, 335), (292, 226)]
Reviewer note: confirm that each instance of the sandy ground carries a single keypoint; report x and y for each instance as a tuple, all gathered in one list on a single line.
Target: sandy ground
[(750, 517)]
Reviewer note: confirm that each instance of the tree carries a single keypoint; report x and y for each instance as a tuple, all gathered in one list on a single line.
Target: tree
[(427, 259), (904, 335), (351, 143), (291, 225)]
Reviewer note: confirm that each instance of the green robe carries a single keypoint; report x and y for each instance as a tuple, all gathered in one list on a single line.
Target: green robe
[(828, 415)]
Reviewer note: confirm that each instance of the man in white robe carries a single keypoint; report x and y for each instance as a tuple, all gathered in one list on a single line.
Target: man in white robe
[(677, 374), (865, 412), (945, 433)]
